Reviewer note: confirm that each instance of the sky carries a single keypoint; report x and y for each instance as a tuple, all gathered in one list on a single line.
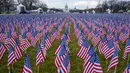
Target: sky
[(79, 4)]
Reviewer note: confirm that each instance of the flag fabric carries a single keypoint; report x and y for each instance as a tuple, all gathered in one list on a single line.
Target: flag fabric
[(47, 42), (60, 46), (27, 67), (108, 50), (65, 65), (40, 57), (24, 43), (102, 43), (114, 60), (9, 40), (61, 56), (127, 70), (84, 49), (11, 57), (123, 35), (18, 51), (93, 65), (95, 38), (2, 51), (53, 36), (2, 34), (127, 49)]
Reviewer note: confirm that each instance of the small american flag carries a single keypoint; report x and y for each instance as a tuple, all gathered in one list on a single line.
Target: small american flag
[(93, 65), (10, 40), (24, 43), (114, 60), (27, 67), (60, 57), (127, 49), (127, 70), (2, 51), (11, 57), (40, 57), (84, 49), (65, 65), (108, 50), (17, 51)]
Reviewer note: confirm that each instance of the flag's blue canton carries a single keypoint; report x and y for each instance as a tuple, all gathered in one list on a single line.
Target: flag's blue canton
[(94, 58), (3, 29), (27, 62), (24, 35), (17, 42), (116, 53), (110, 44), (104, 39), (10, 49), (39, 48), (91, 51), (62, 51), (128, 42), (9, 34), (128, 67), (85, 43), (66, 60)]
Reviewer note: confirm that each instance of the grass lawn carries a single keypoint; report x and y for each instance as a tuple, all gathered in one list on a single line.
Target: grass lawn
[(49, 67)]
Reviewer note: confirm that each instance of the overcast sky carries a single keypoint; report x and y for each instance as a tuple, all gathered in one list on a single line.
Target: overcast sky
[(82, 4)]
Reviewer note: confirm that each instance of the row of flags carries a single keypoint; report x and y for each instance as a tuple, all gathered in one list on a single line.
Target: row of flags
[(108, 46), (105, 37)]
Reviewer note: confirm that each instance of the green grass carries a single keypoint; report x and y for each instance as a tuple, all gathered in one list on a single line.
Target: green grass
[(49, 67)]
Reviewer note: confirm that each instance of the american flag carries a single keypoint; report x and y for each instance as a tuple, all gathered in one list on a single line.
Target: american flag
[(2, 51), (11, 57), (93, 65), (127, 49), (47, 42), (29, 36), (18, 51), (59, 47), (65, 64), (123, 35), (109, 35), (114, 60), (33, 39), (102, 43), (60, 57), (84, 49), (40, 57), (53, 36), (90, 35), (81, 38), (24, 43), (89, 54), (127, 70), (96, 38), (9, 40), (2, 35), (27, 67), (108, 50)]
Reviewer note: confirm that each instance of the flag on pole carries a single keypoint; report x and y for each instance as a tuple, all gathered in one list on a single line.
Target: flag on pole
[(2, 51), (108, 50), (18, 51), (84, 49), (93, 65), (65, 65), (127, 49), (11, 57), (40, 57), (127, 70), (27, 67), (114, 60)]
